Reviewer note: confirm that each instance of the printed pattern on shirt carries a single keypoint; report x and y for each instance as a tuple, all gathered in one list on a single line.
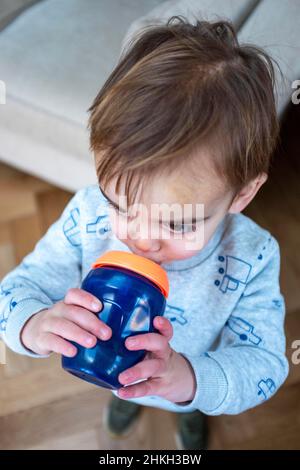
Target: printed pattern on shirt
[(175, 314), (266, 388), (235, 272), (243, 329), (71, 228), (99, 226)]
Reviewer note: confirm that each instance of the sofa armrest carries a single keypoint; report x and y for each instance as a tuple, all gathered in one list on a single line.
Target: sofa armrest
[(11, 9)]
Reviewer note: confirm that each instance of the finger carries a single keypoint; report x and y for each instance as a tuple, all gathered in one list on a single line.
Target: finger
[(88, 321), (50, 342), (142, 389), (142, 370), (153, 342), (69, 330), (164, 326), (84, 299)]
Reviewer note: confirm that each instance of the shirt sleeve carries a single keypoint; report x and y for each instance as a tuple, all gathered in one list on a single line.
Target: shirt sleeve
[(43, 277), (249, 364)]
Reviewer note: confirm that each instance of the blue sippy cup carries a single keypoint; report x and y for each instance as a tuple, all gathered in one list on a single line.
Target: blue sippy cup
[(133, 291)]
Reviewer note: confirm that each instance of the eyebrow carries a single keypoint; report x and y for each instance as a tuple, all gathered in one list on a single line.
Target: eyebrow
[(172, 221)]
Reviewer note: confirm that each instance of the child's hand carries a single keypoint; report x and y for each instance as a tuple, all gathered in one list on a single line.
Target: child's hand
[(71, 319), (168, 373)]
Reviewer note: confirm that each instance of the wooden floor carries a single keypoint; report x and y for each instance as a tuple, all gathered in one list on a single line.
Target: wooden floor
[(41, 407)]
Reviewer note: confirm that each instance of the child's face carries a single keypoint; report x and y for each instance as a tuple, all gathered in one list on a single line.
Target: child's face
[(154, 235)]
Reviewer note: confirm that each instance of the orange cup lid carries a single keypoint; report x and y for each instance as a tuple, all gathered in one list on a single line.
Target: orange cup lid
[(138, 264)]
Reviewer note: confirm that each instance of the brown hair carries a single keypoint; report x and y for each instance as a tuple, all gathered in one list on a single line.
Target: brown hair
[(180, 86)]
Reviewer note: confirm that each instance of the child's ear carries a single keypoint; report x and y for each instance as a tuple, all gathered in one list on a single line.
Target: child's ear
[(245, 195)]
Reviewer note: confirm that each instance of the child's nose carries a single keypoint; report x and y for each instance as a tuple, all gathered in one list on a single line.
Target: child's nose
[(142, 235), (145, 245)]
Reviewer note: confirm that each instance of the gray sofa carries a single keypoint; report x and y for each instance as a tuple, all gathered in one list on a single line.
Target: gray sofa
[(55, 55)]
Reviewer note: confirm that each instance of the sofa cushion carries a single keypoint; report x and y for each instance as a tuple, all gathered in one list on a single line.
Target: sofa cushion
[(275, 26), (234, 10), (54, 58)]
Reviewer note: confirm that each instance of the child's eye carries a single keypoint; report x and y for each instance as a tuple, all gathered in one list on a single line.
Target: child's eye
[(185, 228), (182, 228)]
